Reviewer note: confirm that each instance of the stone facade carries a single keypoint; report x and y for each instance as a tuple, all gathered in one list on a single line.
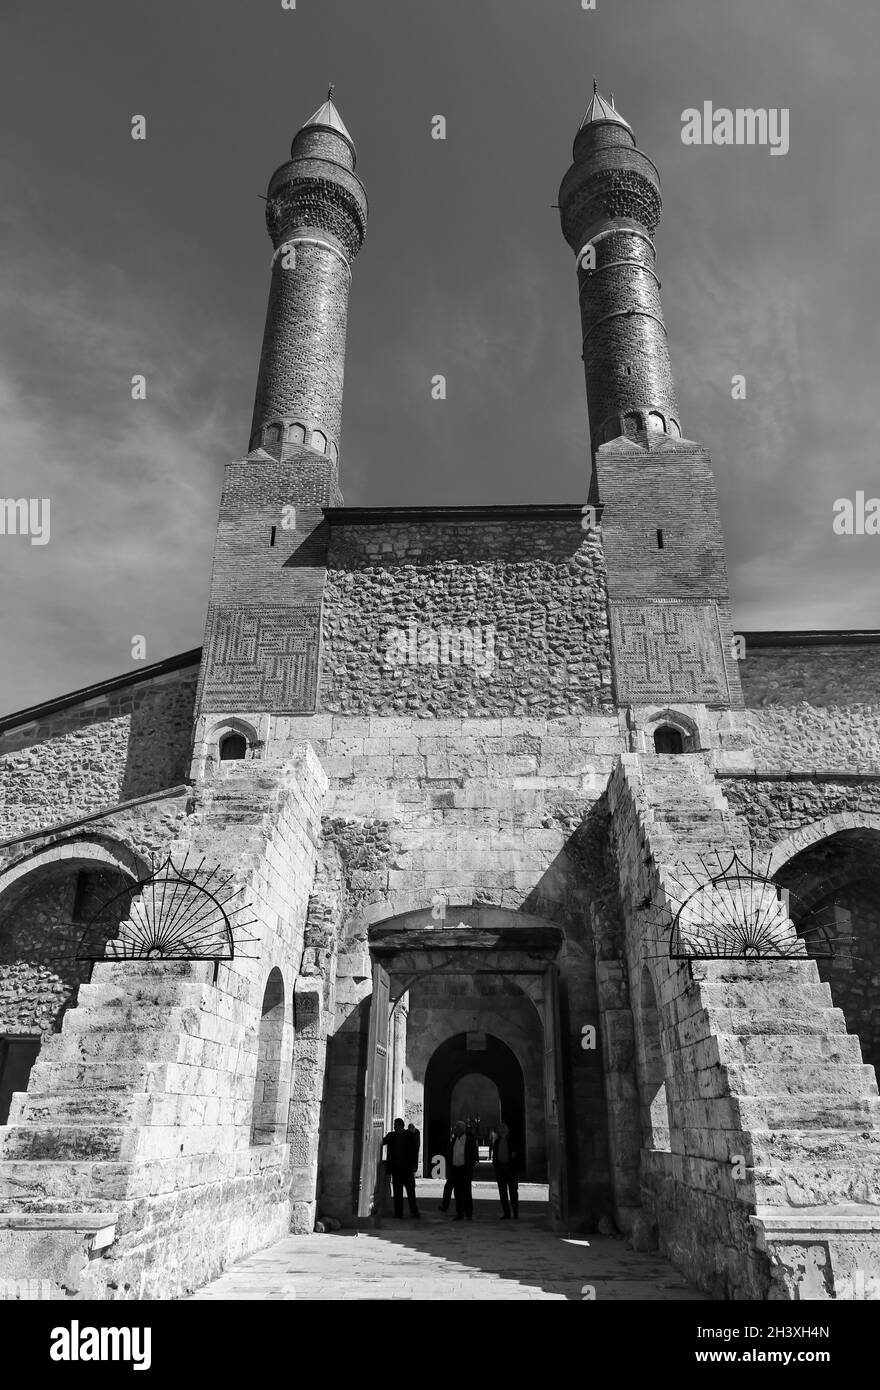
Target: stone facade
[(475, 750)]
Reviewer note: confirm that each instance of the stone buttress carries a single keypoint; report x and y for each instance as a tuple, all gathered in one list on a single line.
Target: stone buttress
[(153, 1146)]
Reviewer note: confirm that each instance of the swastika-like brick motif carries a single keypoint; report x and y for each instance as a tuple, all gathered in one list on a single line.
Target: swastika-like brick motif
[(263, 659), (668, 650)]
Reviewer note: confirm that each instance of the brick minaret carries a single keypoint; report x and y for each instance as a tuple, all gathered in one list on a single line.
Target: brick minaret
[(262, 637), (668, 596), (316, 213), (610, 200)]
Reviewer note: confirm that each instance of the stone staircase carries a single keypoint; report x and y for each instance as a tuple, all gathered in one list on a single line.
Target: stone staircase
[(137, 1117), (766, 1072)]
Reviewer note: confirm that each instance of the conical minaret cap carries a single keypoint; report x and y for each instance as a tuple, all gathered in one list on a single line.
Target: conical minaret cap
[(328, 116), (601, 109)]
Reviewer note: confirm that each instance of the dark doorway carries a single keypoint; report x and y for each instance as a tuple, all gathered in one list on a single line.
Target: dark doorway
[(17, 1056), (466, 1057), (668, 740)]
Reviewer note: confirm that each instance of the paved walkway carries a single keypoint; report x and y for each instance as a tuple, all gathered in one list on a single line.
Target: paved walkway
[(436, 1258)]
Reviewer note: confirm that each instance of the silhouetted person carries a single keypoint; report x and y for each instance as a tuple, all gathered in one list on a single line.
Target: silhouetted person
[(504, 1161), (462, 1161), (415, 1140), (447, 1186), (398, 1147)]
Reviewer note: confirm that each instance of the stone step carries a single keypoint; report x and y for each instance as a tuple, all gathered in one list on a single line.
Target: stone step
[(59, 1142), (759, 1022), (838, 1049), (784, 1080), (803, 968), (23, 1181), (48, 1076), (82, 1047), (98, 1108), (819, 1184), (133, 1018), (803, 1147), (157, 992), (785, 996), (810, 1110)]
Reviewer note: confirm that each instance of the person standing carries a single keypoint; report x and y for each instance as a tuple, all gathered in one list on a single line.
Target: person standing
[(462, 1161), (504, 1161), (398, 1147), (447, 1185), (415, 1141)]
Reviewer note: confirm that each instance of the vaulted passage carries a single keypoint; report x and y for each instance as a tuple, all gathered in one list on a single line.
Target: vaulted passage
[(834, 890), (466, 1077)]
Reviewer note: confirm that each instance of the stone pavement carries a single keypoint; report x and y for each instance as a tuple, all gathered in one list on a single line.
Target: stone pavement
[(438, 1259)]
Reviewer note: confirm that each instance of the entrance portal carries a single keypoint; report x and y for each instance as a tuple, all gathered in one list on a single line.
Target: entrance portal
[(483, 1084)]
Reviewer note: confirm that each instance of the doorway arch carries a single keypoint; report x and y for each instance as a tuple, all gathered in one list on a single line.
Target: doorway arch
[(467, 1055)]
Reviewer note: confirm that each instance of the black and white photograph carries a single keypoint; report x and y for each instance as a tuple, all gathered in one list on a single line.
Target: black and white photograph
[(440, 696)]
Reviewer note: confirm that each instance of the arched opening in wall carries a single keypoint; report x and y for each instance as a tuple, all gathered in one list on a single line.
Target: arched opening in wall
[(650, 1070), (668, 740), (233, 746), (470, 1070), (834, 900), (266, 1127), (297, 434), (44, 915), (476, 1098)]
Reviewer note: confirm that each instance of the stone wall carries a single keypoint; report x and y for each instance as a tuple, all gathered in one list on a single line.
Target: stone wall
[(806, 737), (775, 808), (795, 668), (527, 593), (127, 741)]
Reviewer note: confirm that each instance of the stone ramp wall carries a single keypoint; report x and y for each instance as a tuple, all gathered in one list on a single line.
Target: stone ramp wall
[(774, 1121), (141, 1108)]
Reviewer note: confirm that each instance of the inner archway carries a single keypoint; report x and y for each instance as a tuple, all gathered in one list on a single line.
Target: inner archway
[(834, 902), (469, 1068)]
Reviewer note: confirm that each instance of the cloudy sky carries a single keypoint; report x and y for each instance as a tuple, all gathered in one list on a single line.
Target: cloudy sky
[(119, 257)]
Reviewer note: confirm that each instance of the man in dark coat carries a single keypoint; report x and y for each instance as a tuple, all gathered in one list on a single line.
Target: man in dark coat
[(399, 1153), (505, 1161), (460, 1164)]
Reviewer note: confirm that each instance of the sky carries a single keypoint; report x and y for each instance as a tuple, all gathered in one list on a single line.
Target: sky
[(120, 257)]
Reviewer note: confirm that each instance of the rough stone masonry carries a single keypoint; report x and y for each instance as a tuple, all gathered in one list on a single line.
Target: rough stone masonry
[(451, 879)]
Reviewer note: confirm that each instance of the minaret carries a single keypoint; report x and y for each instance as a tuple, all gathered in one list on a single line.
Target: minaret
[(316, 213), (668, 596), (263, 630), (610, 206)]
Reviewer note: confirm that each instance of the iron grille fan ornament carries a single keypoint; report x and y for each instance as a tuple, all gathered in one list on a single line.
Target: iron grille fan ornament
[(733, 911), (176, 913)]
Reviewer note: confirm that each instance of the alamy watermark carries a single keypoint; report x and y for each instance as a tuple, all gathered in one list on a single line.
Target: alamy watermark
[(859, 516), (744, 126), (26, 516), (441, 646)]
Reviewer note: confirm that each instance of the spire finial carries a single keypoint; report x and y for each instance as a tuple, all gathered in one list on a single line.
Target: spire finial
[(330, 91), (595, 86), (613, 107)]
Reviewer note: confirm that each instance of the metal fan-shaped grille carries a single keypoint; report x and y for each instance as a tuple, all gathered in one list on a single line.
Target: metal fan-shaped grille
[(732, 911), (177, 913)]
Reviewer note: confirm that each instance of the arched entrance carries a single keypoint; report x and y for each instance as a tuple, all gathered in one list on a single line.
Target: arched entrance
[(468, 1071), (835, 902), (492, 974), (46, 902)]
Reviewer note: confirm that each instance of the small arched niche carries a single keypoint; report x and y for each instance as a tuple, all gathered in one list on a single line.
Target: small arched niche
[(671, 731), (233, 746), (668, 739)]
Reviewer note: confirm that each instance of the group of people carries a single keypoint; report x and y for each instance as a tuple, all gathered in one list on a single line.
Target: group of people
[(401, 1148)]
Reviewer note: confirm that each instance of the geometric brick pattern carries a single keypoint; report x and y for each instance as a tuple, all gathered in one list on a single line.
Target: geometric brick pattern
[(263, 658), (668, 649)]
